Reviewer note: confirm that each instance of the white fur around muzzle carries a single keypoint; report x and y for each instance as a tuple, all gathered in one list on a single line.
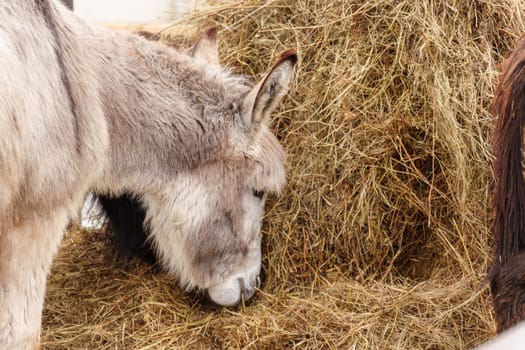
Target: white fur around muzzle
[(237, 288)]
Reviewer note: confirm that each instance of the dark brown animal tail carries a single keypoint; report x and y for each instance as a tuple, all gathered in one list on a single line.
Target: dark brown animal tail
[(508, 226)]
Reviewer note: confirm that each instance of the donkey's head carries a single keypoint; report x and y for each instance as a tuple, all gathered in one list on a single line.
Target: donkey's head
[(207, 228)]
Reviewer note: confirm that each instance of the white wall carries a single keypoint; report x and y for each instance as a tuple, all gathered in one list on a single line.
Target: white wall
[(132, 11), (512, 339)]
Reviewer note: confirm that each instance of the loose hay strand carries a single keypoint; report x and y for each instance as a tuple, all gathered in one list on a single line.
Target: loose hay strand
[(381, 239)]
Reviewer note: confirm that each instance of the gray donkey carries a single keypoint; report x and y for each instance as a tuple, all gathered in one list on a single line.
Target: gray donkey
[(84, 109)]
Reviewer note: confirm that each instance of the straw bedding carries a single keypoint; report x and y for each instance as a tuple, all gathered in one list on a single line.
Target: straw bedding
[(381, 239)]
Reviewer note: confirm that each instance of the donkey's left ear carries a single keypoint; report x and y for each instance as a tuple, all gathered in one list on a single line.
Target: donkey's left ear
[(207, 47), (266, 95)]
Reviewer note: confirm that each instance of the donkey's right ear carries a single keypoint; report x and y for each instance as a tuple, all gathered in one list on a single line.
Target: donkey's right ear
[(207, 47), (266, 95)]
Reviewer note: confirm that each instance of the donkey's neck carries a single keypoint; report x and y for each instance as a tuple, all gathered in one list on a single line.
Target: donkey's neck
[(165, 114)]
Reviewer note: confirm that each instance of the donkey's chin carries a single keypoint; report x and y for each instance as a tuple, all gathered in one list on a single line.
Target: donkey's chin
[(234, 290)]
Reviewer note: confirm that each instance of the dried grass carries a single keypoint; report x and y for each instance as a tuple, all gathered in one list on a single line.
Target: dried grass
[(381, 240)]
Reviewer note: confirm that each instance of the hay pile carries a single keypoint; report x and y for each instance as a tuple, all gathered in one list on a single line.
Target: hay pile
[(381, 240)]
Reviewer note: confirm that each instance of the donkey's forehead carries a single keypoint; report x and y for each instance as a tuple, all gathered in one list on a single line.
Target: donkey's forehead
[(268, 159)]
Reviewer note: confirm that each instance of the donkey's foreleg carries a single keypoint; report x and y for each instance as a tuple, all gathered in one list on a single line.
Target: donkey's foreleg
[(26, 253)]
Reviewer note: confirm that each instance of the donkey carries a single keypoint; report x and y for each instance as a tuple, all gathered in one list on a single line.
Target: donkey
[(84, 108), (507, 273)]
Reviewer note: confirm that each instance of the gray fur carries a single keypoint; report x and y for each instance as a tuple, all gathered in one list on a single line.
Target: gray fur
[(84, 109)]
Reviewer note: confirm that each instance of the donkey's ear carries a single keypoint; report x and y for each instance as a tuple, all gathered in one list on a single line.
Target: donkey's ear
[(207, 47), (266, 95)]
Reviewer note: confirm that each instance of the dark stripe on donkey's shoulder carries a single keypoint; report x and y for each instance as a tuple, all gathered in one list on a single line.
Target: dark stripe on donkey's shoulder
[(48, 12)]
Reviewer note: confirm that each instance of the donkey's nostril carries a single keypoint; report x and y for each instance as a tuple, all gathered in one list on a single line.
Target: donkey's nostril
[(246, 291), (257, 281)]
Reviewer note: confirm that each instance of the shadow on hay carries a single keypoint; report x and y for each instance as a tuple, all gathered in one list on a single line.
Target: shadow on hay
[(126, 217)]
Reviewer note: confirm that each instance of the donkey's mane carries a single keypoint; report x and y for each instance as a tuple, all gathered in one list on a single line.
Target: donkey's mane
[(211, 76)]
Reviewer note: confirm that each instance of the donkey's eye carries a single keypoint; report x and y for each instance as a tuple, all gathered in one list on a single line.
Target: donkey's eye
[(258, 194)]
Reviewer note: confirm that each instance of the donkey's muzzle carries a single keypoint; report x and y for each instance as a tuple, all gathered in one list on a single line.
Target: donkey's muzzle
[(234, 291)]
